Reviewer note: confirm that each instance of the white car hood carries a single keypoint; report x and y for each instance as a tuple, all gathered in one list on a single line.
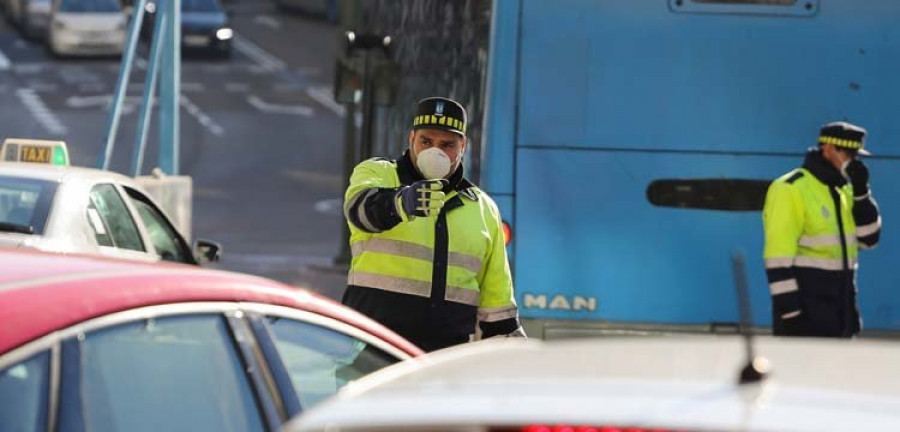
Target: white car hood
[(674, 382), (94, 22), (12, 240), (39, 242)]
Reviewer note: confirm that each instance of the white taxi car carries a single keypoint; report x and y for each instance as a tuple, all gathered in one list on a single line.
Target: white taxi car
[(46, 204), (684, 383), (87, 27)]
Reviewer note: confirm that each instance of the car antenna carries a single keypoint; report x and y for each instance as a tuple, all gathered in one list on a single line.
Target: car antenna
[(757, 367)]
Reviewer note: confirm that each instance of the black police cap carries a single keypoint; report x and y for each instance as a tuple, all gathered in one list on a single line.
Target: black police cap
[(440, 113), (844, 135)]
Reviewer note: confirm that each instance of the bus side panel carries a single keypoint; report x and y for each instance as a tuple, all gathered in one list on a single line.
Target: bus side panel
[(505, 204), (634, 74), (589, 245), (502, 84), (878, 278)]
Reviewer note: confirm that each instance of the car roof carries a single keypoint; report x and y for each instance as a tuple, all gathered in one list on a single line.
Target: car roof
[(676, 382), (44, 292), (56, 173)]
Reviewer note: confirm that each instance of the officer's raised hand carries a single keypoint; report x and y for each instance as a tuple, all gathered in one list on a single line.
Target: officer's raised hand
[(423, 198), (858, 173)]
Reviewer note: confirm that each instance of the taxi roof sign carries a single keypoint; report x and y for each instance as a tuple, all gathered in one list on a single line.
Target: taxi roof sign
[(35, 151)]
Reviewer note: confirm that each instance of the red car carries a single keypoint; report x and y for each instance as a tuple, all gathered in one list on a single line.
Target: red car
[(93, 344)]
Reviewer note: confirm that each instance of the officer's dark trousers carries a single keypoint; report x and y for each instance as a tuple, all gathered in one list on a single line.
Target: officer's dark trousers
[(427, 323), (828, 310)]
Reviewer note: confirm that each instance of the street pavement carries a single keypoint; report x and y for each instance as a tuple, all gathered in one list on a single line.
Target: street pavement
[(260, 136)]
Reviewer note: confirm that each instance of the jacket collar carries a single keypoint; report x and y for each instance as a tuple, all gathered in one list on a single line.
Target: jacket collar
[(823, 170), (409, 174)]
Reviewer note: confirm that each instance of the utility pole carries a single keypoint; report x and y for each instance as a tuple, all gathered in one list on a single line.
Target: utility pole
[(350, 158), (166, 49), (349, 82)]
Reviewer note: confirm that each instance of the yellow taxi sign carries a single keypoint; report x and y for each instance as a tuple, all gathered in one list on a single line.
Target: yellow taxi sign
[(35, 151)]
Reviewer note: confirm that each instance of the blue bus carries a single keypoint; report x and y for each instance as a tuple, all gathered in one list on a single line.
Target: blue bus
[(629, 144)]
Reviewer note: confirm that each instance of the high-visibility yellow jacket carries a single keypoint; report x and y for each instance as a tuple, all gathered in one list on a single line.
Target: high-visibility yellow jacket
[(431, 278), (814, 227)]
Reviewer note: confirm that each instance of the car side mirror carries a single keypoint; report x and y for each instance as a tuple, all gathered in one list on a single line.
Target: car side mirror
[(207, 251)]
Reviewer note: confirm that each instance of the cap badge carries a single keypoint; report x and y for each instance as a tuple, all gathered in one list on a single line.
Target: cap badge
[(439, 108)]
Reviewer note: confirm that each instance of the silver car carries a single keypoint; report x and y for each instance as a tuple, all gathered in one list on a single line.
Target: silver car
[(31, 16), (87, 28), (675, 383)]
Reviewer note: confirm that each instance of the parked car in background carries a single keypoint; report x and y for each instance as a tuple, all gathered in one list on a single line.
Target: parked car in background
[(205, 27), (14, 10), (95, 344), (87, 28), (31, 16), (326, 9), (676, 383), (61, 208)]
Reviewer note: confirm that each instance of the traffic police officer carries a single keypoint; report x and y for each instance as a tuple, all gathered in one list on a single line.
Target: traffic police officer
[(429, 256), (816, 218)]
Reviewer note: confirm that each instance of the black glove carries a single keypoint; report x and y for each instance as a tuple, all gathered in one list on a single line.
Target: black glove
[(423, 198), (858, 173)]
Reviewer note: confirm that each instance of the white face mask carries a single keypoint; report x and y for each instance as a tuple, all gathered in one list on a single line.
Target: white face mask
[(434, 164)]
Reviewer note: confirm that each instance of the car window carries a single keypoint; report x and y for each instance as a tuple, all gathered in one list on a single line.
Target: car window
[(162, 234), (101, 232), (174, 373), (23, 395), (320, 361), (105, 199), (200, 6), (89, 6), (26, 202)]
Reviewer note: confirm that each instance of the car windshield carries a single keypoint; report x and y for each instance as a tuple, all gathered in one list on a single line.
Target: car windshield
[(25, 204), (199, 6), (89, 6)]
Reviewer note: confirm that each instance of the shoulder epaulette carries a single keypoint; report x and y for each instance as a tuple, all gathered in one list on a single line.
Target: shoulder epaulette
[(796, 176), (469, 193), (468, 189)]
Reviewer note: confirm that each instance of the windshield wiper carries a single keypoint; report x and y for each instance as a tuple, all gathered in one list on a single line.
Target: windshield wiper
[(16, 228)]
